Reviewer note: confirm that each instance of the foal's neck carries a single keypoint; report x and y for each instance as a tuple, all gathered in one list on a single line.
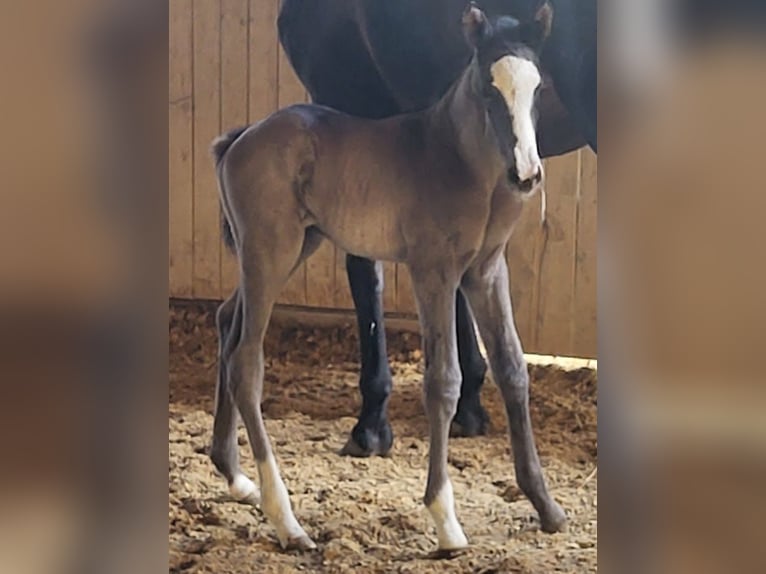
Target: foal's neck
[(462, 112)]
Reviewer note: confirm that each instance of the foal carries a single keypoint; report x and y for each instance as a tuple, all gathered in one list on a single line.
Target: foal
[(437, 190)]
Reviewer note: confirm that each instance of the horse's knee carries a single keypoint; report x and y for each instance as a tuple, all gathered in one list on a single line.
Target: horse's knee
[(441, 390), (513, 380)]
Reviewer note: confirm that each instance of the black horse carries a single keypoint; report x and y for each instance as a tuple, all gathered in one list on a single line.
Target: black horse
[(376, 59)]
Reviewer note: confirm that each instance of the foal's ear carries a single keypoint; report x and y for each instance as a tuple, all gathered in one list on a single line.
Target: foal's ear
[(537, 31), (475, 25)]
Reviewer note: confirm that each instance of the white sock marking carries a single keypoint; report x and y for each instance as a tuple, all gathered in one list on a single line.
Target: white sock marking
[(275, 503), (448, 530), (243, 489)]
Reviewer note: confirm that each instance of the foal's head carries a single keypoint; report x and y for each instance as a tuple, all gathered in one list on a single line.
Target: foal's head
[(506, 52)]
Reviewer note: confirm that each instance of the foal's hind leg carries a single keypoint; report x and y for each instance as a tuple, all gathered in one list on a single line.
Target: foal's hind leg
[(487, 290), (269, 256), (224, 451), (441, 390)]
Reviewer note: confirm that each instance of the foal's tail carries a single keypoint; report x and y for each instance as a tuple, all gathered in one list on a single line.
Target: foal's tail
[(220, 146)]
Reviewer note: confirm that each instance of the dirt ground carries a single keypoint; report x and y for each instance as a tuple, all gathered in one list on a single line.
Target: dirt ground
[(366, 515)]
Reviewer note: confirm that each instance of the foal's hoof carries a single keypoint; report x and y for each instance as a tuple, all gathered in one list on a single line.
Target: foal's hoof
[(300, 543), (468, 422), (554, 521), (447, 553), (368, 442)]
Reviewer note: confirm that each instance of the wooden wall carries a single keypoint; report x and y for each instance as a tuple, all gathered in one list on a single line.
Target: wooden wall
[(227, 68)]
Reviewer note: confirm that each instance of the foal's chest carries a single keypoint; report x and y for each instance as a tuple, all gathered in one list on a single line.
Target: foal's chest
[(504, 212)]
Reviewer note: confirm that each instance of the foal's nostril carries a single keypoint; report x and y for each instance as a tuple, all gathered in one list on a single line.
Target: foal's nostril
[(530, 183)]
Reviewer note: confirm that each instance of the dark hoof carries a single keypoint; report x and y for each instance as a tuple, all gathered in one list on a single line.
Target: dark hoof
[(470, 421), (447, 554), (300, 544), (368, 443), (554, 521)]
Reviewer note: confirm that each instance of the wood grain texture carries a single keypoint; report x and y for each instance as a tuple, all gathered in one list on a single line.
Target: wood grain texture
[(522, 255), (557, 262), (180, 166), (584, 339), (207, 125), (341, 292), (234, 99)]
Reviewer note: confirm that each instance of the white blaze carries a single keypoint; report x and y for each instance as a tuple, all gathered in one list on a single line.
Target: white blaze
[(517, 79)]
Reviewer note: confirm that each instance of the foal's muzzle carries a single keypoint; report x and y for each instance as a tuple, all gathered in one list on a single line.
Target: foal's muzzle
[(528, 185)]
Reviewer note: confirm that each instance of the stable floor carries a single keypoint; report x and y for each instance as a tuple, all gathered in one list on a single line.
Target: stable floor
[(366, 515)]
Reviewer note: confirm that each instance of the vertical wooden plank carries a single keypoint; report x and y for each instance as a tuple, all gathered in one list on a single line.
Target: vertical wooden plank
[(320, 277), (180, 169), (207, 67), (389, 286), (557, 270), (522, 254), (405, 296), (290, 91), (342, 292), (262, 63), (234, 99), (584, 339)]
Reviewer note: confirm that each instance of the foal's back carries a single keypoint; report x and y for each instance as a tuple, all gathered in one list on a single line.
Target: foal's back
[(371, 186)]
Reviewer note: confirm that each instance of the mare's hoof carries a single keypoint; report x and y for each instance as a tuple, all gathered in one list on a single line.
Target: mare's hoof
[(352, 448), (365, 443), (300, 543), (470, 422), (554, 521)]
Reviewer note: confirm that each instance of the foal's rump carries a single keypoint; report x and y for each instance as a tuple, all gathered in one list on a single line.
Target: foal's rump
[(319, 169), (261, 169)]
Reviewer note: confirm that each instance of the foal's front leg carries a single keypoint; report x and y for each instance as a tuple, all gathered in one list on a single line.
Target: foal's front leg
[(441, 391), (486, 288)]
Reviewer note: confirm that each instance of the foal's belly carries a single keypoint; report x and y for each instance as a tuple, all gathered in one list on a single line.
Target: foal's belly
[(361, 220)]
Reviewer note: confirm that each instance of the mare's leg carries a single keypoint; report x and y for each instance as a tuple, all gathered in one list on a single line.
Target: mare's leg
[(224, 451), (441, 390), (486, 287), (372, 433), (471, 419), (269, 256)]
